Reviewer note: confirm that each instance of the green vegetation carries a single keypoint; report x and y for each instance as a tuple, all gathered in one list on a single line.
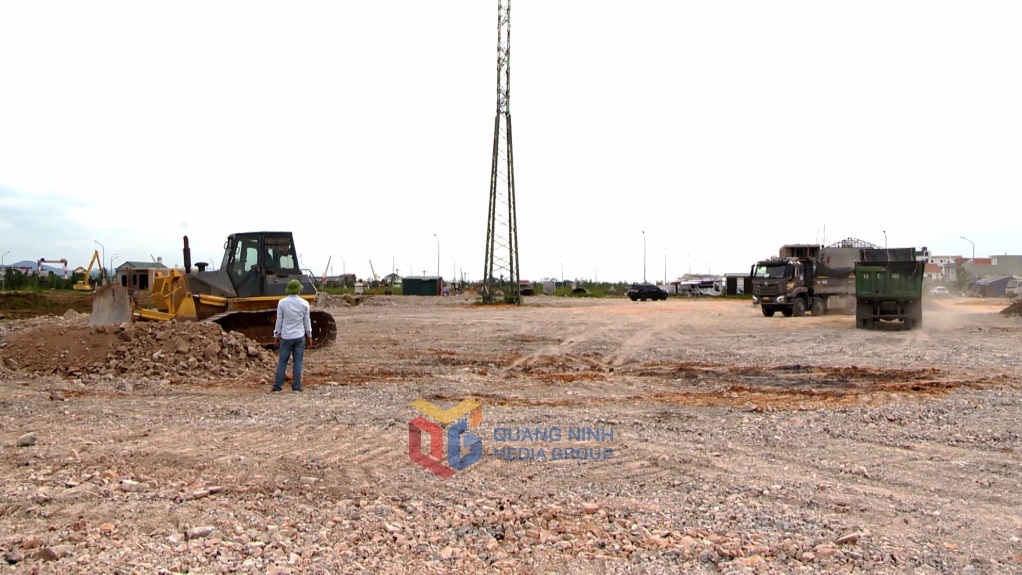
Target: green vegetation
[(963, 278), (17, 280)]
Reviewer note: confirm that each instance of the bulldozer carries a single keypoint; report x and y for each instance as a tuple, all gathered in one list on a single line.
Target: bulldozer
[(240, 296)]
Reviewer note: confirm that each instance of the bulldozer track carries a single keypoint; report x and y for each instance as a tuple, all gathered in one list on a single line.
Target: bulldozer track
[(258, 326)]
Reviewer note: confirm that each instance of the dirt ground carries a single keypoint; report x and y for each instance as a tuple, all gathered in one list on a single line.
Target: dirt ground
[(24, 304), (686, 436)]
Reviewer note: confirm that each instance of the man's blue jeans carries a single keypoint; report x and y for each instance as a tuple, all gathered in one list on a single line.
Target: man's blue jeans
[(294, 349)]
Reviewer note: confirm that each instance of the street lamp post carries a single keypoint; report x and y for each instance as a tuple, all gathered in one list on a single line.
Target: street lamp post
[(973, 247), (102, 274), (439, 287), (112, 264), (643, 256), (3, 270)]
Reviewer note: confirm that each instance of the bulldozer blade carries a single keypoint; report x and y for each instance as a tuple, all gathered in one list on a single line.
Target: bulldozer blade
[(111, 305)]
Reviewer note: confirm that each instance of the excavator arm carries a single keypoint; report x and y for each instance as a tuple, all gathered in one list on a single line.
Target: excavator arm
[(84, 284)]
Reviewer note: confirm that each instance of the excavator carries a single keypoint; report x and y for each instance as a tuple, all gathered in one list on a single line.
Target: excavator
[(241, 296), (84, 285)]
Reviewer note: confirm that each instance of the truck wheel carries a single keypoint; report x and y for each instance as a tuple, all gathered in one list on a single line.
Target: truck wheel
[(767, 311), (914, 315), (798, 307), (819, 307), (864, 316)]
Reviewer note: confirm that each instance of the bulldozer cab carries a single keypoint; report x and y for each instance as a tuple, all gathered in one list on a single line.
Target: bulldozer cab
[(257, 262)]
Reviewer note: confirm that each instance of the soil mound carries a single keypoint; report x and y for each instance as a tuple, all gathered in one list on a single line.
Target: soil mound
[(67, 346), (1013, 310)]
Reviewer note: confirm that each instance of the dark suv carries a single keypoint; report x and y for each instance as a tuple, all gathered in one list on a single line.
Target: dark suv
[(645, 292)]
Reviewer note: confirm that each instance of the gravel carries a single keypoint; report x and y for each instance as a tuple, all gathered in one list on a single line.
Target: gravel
[(738, 443)]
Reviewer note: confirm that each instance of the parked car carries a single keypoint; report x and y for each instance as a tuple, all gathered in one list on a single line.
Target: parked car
[(646, 291), (939, 290), (1014, 288)]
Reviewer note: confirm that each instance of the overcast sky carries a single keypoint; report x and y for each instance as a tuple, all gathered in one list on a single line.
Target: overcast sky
[(651, 137)]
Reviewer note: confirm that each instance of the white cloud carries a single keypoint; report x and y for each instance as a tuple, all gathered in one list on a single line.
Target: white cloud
[(722, 130)]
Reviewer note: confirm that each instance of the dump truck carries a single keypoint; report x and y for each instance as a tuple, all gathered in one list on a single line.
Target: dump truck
[(806, 277), (241, 296), (889, 287)]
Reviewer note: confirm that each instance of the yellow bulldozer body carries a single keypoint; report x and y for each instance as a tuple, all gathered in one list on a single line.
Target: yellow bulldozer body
[(173, 300), (241, 296), (254, 316)]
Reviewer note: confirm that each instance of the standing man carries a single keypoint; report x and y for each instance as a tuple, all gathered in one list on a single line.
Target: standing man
[(292, 333)]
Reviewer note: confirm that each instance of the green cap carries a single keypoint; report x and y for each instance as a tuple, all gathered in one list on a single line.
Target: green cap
[(293, 287)]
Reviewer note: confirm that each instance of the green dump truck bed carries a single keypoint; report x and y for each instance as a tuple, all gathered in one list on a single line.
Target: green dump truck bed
[(903, 280), (889, 291)]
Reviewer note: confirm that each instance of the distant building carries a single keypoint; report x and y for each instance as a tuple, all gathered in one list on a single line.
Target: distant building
[(940, 268), (1007, 265), (139, 276), (991, 267), (933, 272)]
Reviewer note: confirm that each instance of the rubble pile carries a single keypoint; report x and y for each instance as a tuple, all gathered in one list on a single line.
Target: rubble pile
[(1013, 310), (327, 301), (175, 351)]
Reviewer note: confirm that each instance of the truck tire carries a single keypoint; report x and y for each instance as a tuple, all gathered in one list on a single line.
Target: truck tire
[(767, 310), (914, 315), (798, 307), (864, 316), (819, 307)]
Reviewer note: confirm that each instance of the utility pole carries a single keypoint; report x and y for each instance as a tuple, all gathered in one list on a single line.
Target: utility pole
[(501, 221), (643, 256), (102, 261), (3, 270), (439, 287)]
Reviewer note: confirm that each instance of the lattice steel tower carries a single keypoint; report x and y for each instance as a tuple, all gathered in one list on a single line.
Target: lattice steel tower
[(501, 269)]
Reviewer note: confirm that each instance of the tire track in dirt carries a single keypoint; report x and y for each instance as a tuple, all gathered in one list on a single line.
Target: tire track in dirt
[(893, 484)]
